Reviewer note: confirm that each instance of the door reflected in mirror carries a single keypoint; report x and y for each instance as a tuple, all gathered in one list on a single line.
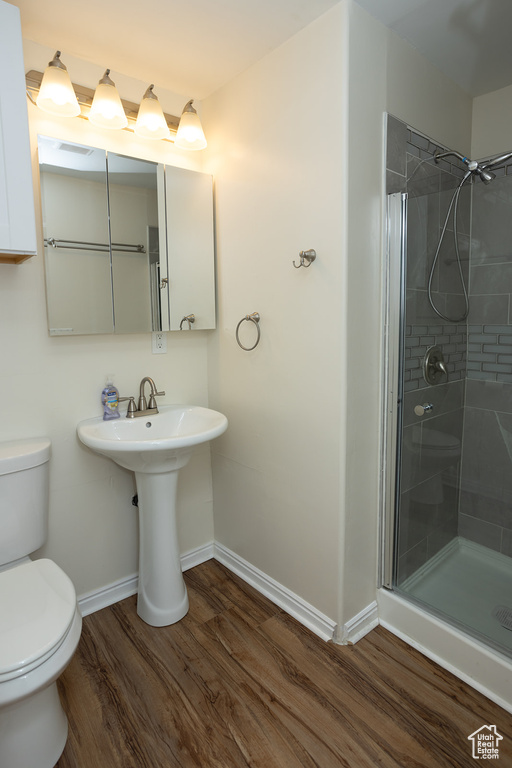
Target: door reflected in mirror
[(134, 231), (128, 243)]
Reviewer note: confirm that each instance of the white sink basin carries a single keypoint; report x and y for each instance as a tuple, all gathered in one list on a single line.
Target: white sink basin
[(155, 447), (157, 443)]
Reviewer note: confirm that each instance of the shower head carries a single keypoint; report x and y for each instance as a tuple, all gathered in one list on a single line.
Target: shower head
[(486, 176), (473, 165)]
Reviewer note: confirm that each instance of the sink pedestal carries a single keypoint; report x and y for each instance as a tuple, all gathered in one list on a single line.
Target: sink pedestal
[(156, 448), (162, 598)]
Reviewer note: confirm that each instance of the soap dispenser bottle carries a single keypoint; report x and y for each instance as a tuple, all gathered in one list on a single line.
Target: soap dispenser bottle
[(110, 400)]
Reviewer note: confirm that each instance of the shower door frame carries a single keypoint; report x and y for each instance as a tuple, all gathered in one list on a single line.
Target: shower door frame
[(393, 369)]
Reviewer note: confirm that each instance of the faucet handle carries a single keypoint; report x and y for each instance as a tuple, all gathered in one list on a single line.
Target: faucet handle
[(131, 406), (152, 401)]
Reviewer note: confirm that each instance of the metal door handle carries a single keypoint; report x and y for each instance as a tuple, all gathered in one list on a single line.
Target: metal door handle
[(421, 410)]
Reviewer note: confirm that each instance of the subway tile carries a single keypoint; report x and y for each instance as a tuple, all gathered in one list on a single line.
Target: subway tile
[(481, 338), (483, 376), (495, 368), (482, 357), (497, 348), (497, 329)]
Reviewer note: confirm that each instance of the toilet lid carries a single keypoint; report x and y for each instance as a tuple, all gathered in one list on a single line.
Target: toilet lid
[(37, 606)]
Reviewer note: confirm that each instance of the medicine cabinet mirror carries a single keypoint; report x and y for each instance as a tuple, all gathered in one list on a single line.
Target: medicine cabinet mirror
[(128, 243)]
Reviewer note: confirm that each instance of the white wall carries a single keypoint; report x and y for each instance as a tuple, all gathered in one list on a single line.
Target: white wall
[(296, 156), (362, 307), (492, 118), (385, 75), (420, 95), (296, 477), (276, 137), (49, 384)]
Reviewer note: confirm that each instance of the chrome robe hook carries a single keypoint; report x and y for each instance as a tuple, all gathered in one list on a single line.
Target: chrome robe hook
[(308, 256)]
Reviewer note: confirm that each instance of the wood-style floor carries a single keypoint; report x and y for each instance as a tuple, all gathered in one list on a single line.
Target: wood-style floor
[(239, 683)]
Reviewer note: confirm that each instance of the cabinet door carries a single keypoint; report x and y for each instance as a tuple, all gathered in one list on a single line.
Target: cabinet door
[(17, 215), (190, 247)]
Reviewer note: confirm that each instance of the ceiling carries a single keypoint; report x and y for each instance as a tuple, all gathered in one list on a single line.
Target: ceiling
[(468, 40), (190, 47), (193, 47)]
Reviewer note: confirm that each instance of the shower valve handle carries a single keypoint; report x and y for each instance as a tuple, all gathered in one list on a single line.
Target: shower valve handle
[(421, 410)]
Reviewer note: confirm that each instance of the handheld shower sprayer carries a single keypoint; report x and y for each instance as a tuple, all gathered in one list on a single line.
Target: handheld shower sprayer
[(495, 160)]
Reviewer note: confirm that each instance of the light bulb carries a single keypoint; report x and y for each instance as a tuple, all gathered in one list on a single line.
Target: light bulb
[(56, 95), (190, 134), (107, 110), (151, 123)]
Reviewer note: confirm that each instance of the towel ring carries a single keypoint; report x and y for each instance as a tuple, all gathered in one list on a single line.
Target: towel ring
[(254, 318), (190, 319)]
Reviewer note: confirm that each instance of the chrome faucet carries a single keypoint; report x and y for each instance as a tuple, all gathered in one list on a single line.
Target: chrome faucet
[(145, 408)]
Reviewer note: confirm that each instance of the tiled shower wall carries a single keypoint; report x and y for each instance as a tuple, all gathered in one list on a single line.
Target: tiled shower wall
[(486, 496), (433, 509), (429, 493)]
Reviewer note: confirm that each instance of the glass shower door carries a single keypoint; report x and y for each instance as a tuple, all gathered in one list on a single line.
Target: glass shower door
[(441, 555)]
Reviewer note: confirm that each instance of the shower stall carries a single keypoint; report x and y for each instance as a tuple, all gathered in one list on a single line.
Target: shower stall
[(447, 539)]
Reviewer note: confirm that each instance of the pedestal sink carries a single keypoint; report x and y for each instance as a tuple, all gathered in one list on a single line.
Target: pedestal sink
[(156, 447)]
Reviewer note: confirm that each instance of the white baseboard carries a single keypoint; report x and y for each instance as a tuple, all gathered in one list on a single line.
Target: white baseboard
[(305, 613), (119, 590), (112, 593), (197, 556), (359, 625)]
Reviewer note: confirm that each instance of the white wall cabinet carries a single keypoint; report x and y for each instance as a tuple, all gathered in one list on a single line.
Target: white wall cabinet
[(17, 213)]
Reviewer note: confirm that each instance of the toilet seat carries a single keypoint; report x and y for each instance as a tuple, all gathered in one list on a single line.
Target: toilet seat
[(37, 608)]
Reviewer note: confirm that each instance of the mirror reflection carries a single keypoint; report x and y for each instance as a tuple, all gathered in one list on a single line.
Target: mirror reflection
[(134, 231), (128, 243), (76, 236)]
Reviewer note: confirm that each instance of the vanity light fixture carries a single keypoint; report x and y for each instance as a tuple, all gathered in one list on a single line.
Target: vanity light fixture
[(106, 109), (190, 133), (56, 94), (151, 122)]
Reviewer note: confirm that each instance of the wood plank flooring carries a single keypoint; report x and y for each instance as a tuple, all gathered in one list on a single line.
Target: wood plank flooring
[(240, 683)]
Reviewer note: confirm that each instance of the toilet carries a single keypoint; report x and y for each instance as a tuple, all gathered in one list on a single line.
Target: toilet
[(40, 622)]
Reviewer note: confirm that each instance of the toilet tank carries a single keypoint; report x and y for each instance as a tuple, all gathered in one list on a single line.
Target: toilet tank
[(24, 483)]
